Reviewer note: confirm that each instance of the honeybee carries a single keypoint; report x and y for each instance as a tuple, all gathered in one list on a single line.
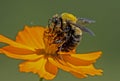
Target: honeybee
[(68, 30)]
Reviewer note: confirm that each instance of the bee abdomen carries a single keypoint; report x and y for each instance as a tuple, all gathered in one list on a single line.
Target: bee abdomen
[(71, 43)]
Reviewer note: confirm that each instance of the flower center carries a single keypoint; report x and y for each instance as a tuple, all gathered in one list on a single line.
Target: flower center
[(50, 47)]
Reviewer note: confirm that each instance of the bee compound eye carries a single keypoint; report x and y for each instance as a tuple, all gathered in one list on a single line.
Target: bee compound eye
[(56, 20)]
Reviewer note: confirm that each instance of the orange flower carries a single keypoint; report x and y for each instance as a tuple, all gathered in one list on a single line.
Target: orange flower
[(40, 56)]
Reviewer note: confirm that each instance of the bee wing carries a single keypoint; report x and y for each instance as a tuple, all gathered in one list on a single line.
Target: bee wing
[(85, 21), (83, 28)]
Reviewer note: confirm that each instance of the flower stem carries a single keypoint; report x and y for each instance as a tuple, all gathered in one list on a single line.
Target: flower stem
[(41, 79)]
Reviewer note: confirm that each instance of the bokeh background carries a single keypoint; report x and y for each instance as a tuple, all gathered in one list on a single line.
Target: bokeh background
[(14, 14)]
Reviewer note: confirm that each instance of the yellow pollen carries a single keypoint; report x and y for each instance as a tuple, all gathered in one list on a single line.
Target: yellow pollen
[(68, 16)]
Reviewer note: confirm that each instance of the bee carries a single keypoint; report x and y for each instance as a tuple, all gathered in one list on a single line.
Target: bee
[(68, 30)]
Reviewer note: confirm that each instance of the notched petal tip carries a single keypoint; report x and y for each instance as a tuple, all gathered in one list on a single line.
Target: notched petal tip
[(81, 59), (84, 71)]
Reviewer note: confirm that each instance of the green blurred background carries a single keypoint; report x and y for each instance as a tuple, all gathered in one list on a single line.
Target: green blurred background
[(14, 14)]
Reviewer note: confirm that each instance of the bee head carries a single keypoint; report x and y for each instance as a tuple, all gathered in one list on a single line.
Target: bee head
[(55, 23), (55, 20)]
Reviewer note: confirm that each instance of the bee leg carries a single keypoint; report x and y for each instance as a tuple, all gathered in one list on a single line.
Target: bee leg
[(60, 48), (57, 41)]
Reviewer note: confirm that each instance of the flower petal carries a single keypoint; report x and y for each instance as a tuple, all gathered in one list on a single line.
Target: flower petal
[(15, 50), (89, 56), (49, 67), (83, 64), (75, 61), (58, 64), (37, 66), (32, 37), (64, 66), (87, 70), (13, 43), (78, 71), (19, 53), (81, 59)]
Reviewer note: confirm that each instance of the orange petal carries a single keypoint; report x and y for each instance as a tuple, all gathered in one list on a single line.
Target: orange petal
[(15, 50), (69, 59), (78, 71), (83, 70), (81, 59), (91, 70), (64, 66), (13, 43), (49, 67), (38, 67), (19, 53), (59, 64), (87, 70), (89, 56), (32, 37)]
